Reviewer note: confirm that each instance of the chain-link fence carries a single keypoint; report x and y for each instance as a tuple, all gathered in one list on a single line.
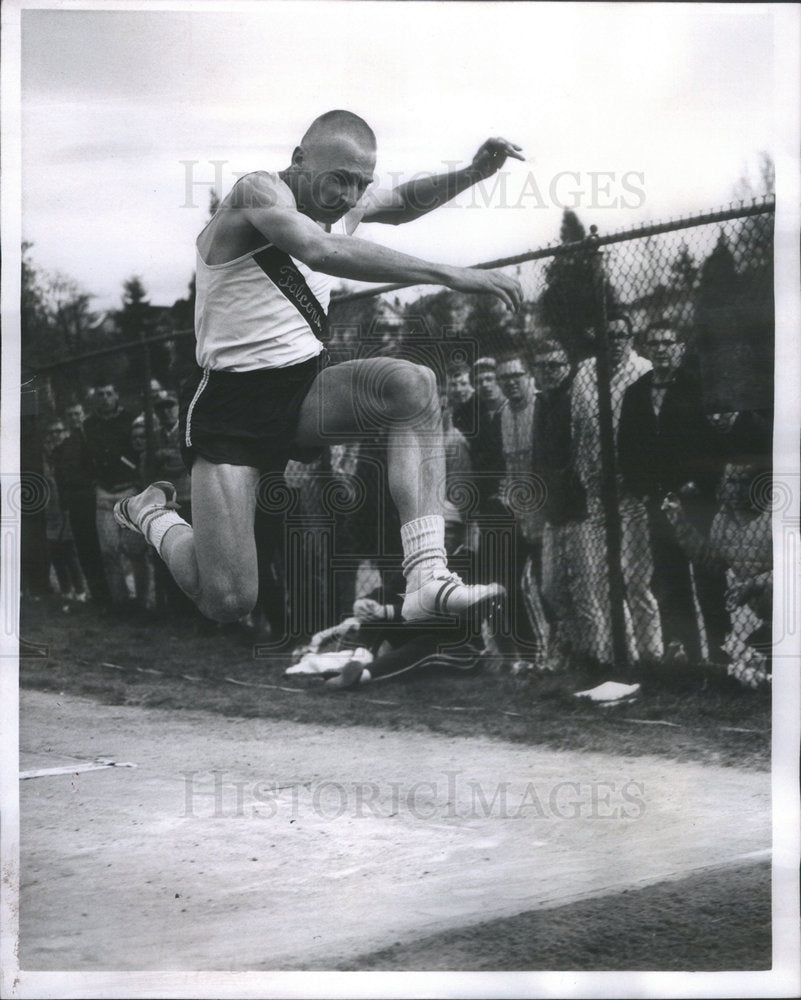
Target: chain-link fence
[(619, 490), (608, 449)]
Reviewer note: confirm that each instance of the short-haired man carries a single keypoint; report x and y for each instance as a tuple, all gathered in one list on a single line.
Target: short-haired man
[(461, 398), (264, 264), (592, 586), (662, 448), (109, 446), (75, 476), (522, 494), (60, 542), (564, 504), (485, 378), (487, 456)]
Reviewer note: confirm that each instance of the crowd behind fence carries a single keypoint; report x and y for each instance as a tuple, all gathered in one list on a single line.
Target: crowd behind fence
[(608, 455)]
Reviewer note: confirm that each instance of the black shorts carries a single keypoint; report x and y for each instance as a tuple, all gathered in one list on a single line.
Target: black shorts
[(247, 418)]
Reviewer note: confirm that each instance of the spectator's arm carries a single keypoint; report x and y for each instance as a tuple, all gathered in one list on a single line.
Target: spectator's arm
[(697, 548)]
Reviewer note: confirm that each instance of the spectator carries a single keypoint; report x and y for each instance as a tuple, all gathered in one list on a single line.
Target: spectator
[(139, 446), (739, 436), (400, 649), (167, 464), (108, 442), (490, 397), (592, 586), (458, 473), (522, 496), (157, 391), (739, 543), (74, 418), (662, 445), (60, 544), (486, 455), (76, 485), (516, 424), (564, 497), (167, 461), (733, 436), (461, 398)]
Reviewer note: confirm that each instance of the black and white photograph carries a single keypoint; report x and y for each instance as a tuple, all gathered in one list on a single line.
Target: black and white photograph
[(400, 499)]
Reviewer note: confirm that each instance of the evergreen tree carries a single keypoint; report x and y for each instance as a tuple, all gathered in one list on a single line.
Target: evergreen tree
[(684, 270), (719, 282), (568, 304), (183, 310), (434, 314), (735, 329), (571, 229)]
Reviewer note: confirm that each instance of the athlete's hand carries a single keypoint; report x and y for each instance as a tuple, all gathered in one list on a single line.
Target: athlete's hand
[(504, 287), (492, 155)]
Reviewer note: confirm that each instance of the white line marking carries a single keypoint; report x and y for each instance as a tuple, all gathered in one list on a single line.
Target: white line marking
[(46, 772)]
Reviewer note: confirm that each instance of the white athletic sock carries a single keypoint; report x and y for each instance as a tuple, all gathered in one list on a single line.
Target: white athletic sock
[(423, 542), (155, 524)]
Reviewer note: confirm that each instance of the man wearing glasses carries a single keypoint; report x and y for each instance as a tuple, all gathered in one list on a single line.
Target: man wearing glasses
[(564, 506), (523, 495), (644, 629)]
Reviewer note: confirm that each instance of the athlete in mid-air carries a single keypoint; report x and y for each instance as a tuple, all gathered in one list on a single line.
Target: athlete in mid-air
[(264, 264)]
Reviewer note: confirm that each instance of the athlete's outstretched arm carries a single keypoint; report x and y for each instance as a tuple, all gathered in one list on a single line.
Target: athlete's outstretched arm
[(417, 197), (350, 257)]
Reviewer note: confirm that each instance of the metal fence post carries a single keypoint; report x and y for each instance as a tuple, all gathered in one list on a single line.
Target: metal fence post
[(609, 491)]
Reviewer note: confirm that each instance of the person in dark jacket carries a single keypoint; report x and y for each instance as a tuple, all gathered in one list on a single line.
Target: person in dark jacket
[(662, 449), (462, 398), (486, 453), (60, 542), (76, 485), (564, 504)]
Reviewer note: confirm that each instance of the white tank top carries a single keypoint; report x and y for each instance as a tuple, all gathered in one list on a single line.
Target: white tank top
[(244, 321)]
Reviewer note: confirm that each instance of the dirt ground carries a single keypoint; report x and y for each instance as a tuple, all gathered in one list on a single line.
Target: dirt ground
[(718, 919), (464, 822), (187, 663), (259, 845)]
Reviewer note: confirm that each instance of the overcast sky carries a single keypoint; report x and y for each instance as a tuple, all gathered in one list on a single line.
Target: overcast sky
[(675, 102)]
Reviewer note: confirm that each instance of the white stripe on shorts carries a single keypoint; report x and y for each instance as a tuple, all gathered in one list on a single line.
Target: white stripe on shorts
[(203, 383)]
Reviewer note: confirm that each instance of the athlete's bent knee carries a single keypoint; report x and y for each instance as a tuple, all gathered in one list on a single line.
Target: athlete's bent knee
[(229, 604), (411, 389)]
